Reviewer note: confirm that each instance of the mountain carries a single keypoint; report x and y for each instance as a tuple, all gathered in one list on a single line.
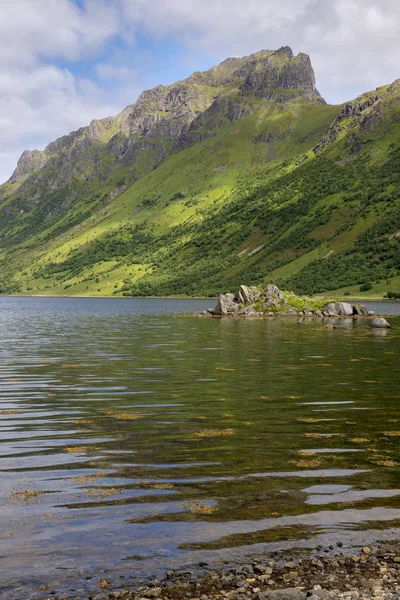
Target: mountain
[(240, 174)]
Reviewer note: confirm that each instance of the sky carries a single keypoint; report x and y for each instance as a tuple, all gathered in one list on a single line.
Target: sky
[(66, 62)]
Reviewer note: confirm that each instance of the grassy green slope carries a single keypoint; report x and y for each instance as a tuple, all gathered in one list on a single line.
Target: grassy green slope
[(251, 203)]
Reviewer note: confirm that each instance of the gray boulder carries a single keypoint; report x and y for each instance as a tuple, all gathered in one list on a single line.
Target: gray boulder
[(339, 309), (330, 310), (272, 292), (247, 295), (344, 309), (360, 310), (380, 323), (226, 305)]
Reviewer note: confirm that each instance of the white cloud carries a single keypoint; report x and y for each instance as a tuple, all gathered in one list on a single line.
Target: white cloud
[(354, 44), (33, 29)]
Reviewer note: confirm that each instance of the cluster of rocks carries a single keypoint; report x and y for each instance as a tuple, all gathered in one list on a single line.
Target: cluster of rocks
[(272, 302), (369, 574)]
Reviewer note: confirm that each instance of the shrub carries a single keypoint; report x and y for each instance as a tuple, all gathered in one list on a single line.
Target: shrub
[(365, 287)]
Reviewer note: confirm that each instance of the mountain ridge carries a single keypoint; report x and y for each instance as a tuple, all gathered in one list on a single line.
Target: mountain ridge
[(139, 190), (165, 97)]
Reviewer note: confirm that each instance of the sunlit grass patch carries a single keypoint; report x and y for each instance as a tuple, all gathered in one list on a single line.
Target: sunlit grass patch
[(83, 422)]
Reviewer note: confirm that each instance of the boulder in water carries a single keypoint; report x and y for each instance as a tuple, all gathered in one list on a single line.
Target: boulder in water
[(380, 323)]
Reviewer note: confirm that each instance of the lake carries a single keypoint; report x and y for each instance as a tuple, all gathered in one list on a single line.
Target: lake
[(135, 438)]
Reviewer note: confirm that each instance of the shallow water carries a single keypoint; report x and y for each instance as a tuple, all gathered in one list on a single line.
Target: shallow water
[(135, 439)]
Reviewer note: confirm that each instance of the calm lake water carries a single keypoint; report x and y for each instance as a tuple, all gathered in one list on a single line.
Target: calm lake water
[(135, 439)]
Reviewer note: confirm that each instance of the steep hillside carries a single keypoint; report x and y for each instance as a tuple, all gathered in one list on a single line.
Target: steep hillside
[(241, 174)]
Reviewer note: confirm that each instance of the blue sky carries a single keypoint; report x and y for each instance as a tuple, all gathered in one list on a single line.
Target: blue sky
[(65, 62)]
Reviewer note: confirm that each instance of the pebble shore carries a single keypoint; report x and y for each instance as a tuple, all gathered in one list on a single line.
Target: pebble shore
[(373, 573)]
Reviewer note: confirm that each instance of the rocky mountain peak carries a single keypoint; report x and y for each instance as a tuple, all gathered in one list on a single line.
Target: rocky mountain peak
[(29, 161), (165, 113), (281, 76), (285, 50)]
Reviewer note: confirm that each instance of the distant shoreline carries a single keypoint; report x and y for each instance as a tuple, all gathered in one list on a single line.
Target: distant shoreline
[(110, 297), (342, 299)]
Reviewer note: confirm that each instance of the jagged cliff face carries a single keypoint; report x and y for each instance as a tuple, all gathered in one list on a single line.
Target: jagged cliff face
[(161, 119), (360, 116)]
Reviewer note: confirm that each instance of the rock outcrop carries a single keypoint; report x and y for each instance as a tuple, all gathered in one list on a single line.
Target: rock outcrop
[(271, 301)]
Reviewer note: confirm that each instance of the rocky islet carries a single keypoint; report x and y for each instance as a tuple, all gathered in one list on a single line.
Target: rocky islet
[(271, 302)]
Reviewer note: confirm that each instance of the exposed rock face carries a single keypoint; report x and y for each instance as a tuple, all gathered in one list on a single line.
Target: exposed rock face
[(282, 76), (247, 295), (279, 76), (159, 116), (29, 162), (360, 115)]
